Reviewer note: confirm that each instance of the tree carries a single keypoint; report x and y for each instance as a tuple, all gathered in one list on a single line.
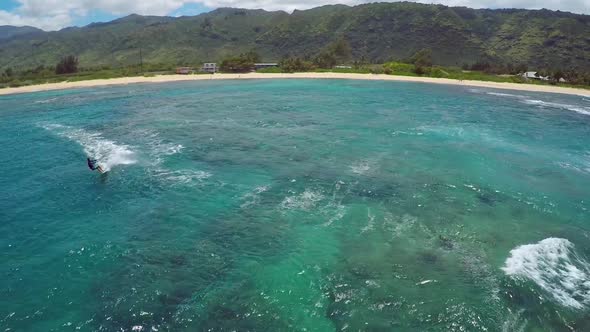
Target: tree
[(556, 76), (241, 64), (206, 25), (360, 63), (251, 56), (8, 72), (341, 50), (542, 73), (291, 65), (67, 65), (520, 68), (325, 60), (235, 65), (574, 76), (419, 70), (422, 58), (38, 69)]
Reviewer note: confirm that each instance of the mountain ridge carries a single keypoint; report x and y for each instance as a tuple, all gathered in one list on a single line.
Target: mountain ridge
[(10, 31), (376, 32)]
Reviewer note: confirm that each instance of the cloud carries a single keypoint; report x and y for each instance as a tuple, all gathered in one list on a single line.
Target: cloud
[(55, 14), (53, 22)]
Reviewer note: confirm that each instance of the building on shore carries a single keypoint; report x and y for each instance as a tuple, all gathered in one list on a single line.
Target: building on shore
[(209, 67), (258, 66), (184, 70), (533, 75)]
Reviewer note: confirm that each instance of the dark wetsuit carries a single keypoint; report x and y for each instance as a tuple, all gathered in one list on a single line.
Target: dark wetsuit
[(91, 163)]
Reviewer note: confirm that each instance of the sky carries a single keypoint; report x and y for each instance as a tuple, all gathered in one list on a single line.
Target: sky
[(57, 14)]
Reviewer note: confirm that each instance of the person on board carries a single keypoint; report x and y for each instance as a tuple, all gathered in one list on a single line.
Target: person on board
[(93, 165)]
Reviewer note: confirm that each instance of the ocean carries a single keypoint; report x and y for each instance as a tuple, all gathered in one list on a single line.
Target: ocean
[(294, 205)]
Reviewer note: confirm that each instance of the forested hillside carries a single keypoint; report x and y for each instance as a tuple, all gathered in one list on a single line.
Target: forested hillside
[(376, 33)]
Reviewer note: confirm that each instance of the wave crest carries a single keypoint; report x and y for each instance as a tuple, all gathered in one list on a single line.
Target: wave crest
[(546, 104), (555, 267)]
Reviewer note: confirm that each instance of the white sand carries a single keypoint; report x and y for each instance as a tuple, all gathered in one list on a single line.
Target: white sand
[(177, 78)]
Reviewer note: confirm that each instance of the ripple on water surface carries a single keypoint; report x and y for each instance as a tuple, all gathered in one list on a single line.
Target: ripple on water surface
[(284, 205)]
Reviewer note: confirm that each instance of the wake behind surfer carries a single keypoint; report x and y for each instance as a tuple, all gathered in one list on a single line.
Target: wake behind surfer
[(93, 165)]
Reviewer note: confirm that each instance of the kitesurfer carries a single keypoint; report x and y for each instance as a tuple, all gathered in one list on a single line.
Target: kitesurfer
[(93, 165)]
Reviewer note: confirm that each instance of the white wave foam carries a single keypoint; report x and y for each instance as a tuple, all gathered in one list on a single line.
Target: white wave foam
[(46, 101), (360, 168), (581, 169), (536, 102), (493, 93), (545, 104), (555, 267), (107, 152), (499, 94), (304, 201), (253, 197), (335, 212), (370, 222), (184, 177), (158, 147), (514, 322), (398, 226)]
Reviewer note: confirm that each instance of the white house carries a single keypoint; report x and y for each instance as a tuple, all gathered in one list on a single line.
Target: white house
[(209, 67), (532, 75)]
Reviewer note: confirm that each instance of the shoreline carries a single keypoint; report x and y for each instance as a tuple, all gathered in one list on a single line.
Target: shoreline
[(311, 75)]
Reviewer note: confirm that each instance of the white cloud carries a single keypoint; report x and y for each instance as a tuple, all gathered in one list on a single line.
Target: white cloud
[(55, 14), (44, 21)]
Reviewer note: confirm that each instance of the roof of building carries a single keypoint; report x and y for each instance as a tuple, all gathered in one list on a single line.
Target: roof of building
[(534, 74)]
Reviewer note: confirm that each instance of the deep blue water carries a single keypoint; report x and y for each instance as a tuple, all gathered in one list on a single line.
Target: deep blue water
[(275, 205)]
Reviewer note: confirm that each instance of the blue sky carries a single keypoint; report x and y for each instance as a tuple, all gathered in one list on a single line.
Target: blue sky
[(103, 16), (57, 14), (8, 5)]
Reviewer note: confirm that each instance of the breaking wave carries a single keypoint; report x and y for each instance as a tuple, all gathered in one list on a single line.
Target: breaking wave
[(555, 267), (545, 104), (499, 94), (540, 103), (107, 152)]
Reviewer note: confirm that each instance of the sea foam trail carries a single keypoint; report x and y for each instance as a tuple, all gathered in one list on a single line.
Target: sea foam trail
[(500, 94), (555, 267), (107, 152), (575, 108), (540, 103)]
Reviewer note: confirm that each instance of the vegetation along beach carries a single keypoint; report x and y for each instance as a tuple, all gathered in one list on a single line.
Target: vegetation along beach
[(315, 166)]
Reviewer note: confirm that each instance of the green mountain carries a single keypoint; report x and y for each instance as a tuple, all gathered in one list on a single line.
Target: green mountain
[(7, 31), (376, 32)]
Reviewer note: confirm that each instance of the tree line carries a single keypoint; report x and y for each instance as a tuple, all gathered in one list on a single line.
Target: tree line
[(336, 53)]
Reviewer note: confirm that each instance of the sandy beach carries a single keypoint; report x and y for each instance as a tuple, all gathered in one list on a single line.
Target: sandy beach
[(178, 78)]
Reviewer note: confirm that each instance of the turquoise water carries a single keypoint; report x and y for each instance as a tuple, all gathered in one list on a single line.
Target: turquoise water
[(294, 205)]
